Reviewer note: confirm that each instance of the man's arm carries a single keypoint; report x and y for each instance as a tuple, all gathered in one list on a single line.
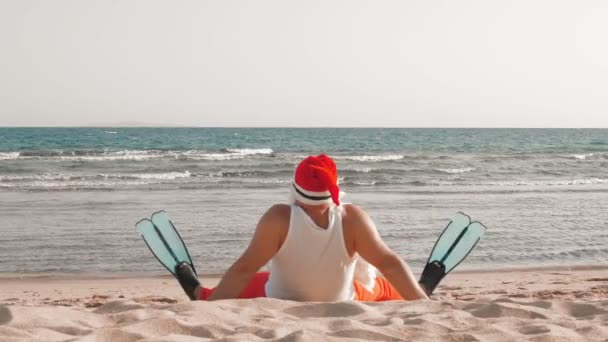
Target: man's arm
[(266, 241), (369, 245)]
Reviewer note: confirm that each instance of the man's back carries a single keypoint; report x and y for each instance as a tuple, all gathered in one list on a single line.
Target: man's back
[(352, 217), (312, 263), (315, 190)]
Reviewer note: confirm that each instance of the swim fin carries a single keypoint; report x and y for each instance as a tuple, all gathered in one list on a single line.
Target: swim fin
[(165, 243), (454, 244)]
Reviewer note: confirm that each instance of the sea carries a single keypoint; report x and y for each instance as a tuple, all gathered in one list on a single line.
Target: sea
[(70, 197)]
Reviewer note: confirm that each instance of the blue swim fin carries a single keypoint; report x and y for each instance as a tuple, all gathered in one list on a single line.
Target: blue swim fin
[(169, 248), (164, 241), (453, 246)]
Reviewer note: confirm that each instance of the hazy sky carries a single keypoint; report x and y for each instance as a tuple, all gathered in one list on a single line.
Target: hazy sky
[(477, 63)]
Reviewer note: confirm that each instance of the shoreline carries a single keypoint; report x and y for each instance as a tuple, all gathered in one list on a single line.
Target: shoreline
[(581, 283), (166, 275)]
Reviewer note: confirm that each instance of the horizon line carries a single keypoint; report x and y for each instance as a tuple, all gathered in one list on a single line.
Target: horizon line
[(317, 127)]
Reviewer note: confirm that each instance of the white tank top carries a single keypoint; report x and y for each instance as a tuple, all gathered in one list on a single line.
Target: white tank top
[(312, 264)]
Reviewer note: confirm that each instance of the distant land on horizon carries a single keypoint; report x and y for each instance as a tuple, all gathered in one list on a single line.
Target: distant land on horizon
[(132, 124), (124, 124)]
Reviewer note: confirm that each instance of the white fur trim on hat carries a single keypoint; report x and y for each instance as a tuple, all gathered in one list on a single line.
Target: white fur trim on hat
[(307, 197), (293, 196)]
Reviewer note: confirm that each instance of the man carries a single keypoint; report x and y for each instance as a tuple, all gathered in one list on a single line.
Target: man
[(318, 249)]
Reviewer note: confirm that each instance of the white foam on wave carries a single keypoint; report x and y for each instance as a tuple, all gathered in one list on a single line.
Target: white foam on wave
[(98, 181), (363, 169), (9, 155), (581, 181), (363, 183), (133, 155), (141, 155), (75, 184), (565, 182), (582, 156), (231, 153), (249, 151), (162, 176), (111, 132), (197, 155), (455, 171), (268, 181), (59, 178), (41, 177), (112, 156), (378, 158)]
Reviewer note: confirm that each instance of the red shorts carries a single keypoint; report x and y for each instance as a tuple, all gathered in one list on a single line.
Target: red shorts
[(383, 290)]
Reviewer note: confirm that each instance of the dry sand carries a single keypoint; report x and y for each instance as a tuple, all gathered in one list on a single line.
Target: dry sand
[(511, 305)]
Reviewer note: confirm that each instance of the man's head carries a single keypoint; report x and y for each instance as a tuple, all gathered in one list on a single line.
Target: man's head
[(315, 181)]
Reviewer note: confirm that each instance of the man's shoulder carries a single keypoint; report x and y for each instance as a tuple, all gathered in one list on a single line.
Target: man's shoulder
[(354, 220), (279, 211), (351, 208), (280, 207), (353, 213)]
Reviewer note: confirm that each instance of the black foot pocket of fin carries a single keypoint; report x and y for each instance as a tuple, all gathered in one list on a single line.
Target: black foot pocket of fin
[(187, 279), (431, 276)]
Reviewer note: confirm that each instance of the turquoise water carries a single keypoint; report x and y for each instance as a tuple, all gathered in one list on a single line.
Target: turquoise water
[(69, 197), (99, 140), (410, 159)]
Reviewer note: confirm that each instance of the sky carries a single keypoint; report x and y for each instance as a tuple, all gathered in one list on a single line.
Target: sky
[(283, 63)]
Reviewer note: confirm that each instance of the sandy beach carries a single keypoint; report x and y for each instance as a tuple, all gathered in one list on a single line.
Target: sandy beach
[(550, 304), (136, 136)]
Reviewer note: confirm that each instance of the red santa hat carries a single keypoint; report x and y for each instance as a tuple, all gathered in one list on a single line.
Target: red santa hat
[(315, 181)]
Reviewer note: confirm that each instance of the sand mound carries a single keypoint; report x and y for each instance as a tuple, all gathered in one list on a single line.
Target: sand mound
[(276, 320)]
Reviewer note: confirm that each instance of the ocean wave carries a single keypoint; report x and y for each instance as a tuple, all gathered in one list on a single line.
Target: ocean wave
[(58, 153), (124, 155), (187, 180), (417, 183), (118, 181), (44, 177), (76, 185), (96, 183), (134, 155), (455, 171), (362, 169), (378, 158), (85, 155), (509, 183), (228, 154), (71, 177), (552, 172), (279, 173), (161, 176), (583, 181), (360, 183), (9, 155), (582, 156), (249, 151), (507, 156)]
